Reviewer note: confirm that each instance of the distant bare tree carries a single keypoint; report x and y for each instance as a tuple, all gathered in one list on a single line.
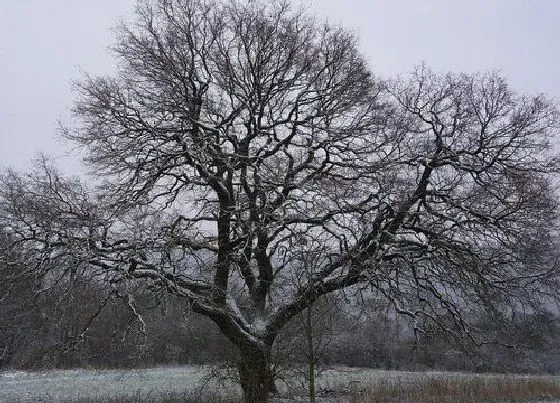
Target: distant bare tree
[(300, 346), (234, 136)]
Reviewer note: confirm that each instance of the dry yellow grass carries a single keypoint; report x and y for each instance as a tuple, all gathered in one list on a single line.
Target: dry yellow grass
[(461, 390)]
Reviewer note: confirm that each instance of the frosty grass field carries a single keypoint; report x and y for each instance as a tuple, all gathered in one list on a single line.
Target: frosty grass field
[(150, 384)]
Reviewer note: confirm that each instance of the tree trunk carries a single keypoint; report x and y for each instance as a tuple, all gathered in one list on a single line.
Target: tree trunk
[(255, 374), (310, 353)]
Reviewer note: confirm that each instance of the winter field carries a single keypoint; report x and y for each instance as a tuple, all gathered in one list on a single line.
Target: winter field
[(192, 384)]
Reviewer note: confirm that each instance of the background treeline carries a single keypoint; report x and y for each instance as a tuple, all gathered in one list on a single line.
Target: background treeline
[(85, 326)]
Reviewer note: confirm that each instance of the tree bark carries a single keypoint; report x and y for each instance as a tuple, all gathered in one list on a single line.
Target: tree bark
[(255, 374)]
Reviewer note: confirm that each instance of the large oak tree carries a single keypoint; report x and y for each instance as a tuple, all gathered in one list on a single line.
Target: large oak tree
[(240, 143)]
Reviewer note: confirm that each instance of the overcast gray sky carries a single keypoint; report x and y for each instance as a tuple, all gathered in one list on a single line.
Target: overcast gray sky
[(45, 44)]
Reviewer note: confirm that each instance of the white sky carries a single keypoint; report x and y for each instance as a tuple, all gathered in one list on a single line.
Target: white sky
[(45, 44)]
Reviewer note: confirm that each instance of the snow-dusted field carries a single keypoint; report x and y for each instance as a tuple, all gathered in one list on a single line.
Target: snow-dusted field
[(68, 385), (72, 385)]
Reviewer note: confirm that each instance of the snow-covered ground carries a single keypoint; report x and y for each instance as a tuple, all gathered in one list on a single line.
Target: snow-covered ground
[(69, 385)]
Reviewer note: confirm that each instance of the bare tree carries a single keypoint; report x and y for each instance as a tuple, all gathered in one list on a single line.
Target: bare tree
[(236, 135), (300, 346)]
